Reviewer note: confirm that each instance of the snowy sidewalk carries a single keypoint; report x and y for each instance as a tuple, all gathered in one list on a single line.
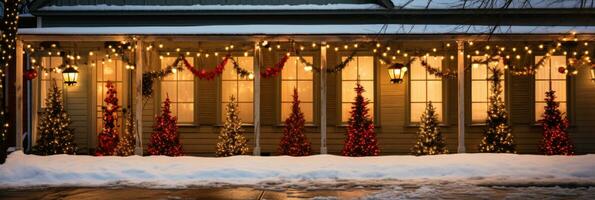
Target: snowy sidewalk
[(160, 171)]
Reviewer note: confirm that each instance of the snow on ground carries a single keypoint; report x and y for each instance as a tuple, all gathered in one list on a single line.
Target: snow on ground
[(106, 7), (23, 170), (312, 29)]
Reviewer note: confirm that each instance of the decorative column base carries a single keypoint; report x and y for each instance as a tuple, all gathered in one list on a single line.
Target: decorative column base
[(323, 150), (256, 151)]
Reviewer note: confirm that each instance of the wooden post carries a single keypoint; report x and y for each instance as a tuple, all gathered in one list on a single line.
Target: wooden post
[(256, 113), (19, 94), (323, 148), (138, 96), (461, 95)]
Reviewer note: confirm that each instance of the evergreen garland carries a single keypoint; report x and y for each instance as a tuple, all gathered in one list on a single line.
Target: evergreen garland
[(497, 134), (430, 140), (55, 134), (231, 137)]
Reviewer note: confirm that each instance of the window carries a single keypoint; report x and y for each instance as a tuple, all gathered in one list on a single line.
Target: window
[(241, 88), (425, 87), (180, 89), (360, 69), (49, 62), (109, 70), (481, 89), (547, 77), (294, 76)]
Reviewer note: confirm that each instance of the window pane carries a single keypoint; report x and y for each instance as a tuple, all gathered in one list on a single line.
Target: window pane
[(435, 91), (368, 90), (308, 110), (289, 71), (185, 91), (417, 71), (350, 71), (169, 89), (348, 91), (560, 88), (285, 111), (479, 73), (366, 67), (305, 91), (287, 90), (479, 112), (301, 73), (246, 91), (479, 91), (345, 110), (557, 62), (416, 110), (229, 88), (185, 112), (245, 110), (418, 91)]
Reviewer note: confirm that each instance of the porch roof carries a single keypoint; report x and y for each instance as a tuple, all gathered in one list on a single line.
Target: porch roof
[(329, 29)]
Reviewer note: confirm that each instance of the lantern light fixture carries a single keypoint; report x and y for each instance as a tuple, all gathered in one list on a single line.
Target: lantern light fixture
[(396, 72), (70, 75), (593, 72)]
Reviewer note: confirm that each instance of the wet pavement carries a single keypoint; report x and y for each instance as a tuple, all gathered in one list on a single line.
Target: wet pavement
[(400, 191)]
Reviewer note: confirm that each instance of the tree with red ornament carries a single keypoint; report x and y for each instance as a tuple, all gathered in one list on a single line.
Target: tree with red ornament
[(361, 137), (294, 142), (108, 138), (165, 139), (555, 135)]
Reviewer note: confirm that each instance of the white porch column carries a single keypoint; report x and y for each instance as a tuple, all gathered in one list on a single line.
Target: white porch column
[(323, 149), (19, 94), (138, 96), (257, 60), (461, 95)]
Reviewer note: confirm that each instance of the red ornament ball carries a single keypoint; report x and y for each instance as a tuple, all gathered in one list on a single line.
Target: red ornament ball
[(562, 70), (30, 74)]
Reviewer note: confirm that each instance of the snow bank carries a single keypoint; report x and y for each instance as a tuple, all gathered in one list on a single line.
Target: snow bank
[(160, 171)]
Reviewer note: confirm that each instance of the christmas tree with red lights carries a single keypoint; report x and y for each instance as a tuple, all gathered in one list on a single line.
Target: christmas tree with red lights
[(108, 138), (165, 139), (555, 136), (361, 138), (294, 141)]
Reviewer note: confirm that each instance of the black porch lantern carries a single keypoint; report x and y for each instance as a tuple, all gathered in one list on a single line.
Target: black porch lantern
[(396, 72), (70, 75)]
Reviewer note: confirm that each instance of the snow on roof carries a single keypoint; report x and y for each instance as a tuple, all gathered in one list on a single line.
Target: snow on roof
[(105, 7), (399, 4), (489, 4), (309, 29)]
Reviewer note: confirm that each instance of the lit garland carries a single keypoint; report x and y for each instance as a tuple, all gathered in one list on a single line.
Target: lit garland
[(9, 27), (276, 69), (204, 74), (437, 72), (243, 73), (149, 78)]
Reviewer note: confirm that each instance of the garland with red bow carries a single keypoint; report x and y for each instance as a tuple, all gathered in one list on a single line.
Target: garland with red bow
[(274, 71), (204, 74)]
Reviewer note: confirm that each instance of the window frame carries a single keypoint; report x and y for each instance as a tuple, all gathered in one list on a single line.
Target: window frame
[(376, 64), (570, 92), (408, 107), (97, 59), (280, 119), (195, 121), (506, 92), (220, 108), (60, 84)]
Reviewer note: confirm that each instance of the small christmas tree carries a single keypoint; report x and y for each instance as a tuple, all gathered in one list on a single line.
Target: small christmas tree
[(498, 134), (127, 142), (108, 138), (165, 139), (555, 136), (429, 141), (231, 137), (294, 141), (55, 134), (361, 138)]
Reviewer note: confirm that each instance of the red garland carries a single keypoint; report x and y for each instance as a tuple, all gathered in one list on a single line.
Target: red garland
[(274, 71), (204, 74)]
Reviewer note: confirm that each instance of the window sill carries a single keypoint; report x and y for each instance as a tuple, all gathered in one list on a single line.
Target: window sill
[(243, 125), (306, 125), (187, 125), (417, 125)]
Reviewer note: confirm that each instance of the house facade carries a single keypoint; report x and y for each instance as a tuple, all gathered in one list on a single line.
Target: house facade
[(445, 45)]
